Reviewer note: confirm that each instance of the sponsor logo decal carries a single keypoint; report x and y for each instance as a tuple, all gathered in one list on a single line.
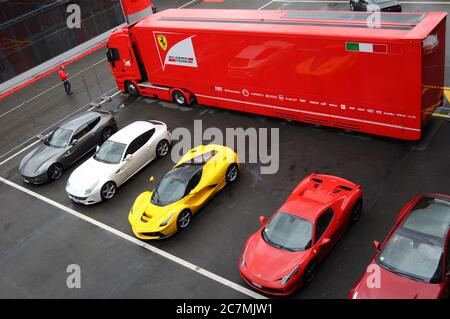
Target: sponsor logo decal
[(162, 41), (175, 49)]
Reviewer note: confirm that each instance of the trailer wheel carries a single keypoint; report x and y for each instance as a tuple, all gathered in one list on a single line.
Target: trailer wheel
[(131, 88), (179, 98)]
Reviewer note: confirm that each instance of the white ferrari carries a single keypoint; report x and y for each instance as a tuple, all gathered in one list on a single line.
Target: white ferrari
[(119, 158)]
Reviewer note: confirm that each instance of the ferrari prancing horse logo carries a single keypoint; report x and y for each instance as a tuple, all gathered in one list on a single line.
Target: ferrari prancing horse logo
[(162, 40)]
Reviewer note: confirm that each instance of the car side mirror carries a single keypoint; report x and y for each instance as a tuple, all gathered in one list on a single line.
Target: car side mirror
[(151, 179), (262, 220), (376, 244), (74, 142), (128, 157), (97, 148)]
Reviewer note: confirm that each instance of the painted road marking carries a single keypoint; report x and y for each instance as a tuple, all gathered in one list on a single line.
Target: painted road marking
[(138, 242), (185, 5), (267, 4), (37, 141)]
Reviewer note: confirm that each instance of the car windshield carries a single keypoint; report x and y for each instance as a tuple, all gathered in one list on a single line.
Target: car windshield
[(409, 256), (59, 138), (416, 249), (173, 186), (288, 232), (110, 152)]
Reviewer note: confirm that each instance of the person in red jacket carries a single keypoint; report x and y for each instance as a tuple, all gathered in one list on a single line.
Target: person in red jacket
[(63, 76)]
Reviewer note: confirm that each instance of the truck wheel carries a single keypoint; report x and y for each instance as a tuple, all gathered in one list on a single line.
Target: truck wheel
[(132, 89), (179, 98)]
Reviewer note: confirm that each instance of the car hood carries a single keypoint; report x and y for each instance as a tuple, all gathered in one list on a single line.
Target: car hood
[(38, 157), (90, 172), (394, 286), (147, 217), (267, 262)]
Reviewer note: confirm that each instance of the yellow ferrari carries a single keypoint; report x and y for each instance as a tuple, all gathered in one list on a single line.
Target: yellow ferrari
[(196, 178)]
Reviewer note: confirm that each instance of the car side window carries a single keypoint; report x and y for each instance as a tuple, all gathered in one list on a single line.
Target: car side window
[(139, 142), (147, 136), (80, 132), (93, 124), (134, 146), (84, 129), (194, 182), (323, 222)]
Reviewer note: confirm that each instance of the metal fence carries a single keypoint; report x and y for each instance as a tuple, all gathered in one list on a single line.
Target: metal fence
[(41, 113)]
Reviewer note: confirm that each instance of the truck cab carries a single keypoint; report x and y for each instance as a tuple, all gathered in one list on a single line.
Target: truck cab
[(126, 68)]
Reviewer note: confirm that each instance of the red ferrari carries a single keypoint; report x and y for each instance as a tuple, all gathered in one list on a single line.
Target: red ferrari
[(284, 253), (414, 260)]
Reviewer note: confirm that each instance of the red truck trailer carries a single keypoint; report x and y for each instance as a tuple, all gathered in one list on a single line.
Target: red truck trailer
[(328, 68)]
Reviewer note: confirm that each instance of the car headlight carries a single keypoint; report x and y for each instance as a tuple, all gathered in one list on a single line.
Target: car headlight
[(90, 189), (286, 278), (355, 295), (243, 257), (164, 223)]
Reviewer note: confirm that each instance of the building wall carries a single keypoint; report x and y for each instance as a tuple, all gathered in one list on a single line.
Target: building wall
[(32, 32)]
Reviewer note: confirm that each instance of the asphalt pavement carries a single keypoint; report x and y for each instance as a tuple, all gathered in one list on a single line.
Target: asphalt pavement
[(38, 240)]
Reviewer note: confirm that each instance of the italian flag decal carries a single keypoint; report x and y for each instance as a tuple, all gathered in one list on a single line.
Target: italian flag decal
[(366, 47)]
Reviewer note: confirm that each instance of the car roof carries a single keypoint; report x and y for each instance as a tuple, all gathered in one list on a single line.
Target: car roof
[(430, 216), (304, 207), (77, 121), (131, 131), (316, 193)]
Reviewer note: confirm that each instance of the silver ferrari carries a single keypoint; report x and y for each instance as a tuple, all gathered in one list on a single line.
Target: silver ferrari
[(66, 145)]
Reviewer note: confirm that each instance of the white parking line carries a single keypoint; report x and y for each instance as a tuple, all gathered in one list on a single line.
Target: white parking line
[(19, 152), (267, 4), (37, 141), (185, 5), (138, 242)]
